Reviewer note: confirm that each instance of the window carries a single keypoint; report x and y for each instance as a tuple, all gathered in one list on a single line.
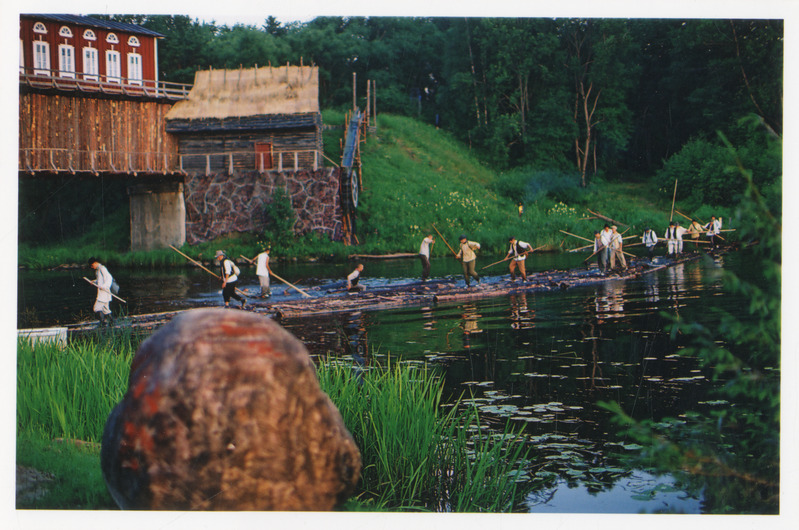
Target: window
[(133, 41), (40, 28), (41, 58), (134, 69), (65, 32), (89, 35), (112, 69), (66, 60), (112, 38), (91, 64)]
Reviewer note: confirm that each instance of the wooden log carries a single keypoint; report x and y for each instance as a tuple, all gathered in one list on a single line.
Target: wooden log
[(608, 219), (400, 255)]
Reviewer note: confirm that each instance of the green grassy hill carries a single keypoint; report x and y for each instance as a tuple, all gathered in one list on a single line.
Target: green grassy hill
[(415, 175)]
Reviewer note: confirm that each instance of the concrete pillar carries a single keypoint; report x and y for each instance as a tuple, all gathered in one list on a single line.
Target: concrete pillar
[(157, 215)]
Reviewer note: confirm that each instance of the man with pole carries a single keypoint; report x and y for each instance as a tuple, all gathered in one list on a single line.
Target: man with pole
[(230, 276), (468, 258), (518, 254), (424, 255), (649, 239), (262, 270), (102, 304)]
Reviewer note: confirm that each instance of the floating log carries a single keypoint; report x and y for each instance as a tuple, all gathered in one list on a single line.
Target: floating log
[(415, 294), (401, 255)]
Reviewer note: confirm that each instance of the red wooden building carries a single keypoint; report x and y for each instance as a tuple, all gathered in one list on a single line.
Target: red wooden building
[(89, 54)]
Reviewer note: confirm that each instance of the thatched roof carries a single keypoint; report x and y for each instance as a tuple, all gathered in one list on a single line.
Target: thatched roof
[(250, 92)]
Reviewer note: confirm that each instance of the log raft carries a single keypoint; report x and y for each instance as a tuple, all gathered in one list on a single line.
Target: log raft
[(437, 291)]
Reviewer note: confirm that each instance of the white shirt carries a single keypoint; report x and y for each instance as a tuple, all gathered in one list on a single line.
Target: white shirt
[(605, 236), (261, 264), (714, 227), (424, 250), (230, 272), (650, 238), (354, 274), (514, 250), (104, 281)]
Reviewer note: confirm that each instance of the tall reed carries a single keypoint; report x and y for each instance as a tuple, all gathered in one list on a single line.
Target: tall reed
[(68, 393), (417, 454)]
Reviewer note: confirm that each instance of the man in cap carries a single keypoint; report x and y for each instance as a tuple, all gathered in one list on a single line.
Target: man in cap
[(518, 253), (103, 282), (230, 277), (468, 258), (649, 239), (616, 249)]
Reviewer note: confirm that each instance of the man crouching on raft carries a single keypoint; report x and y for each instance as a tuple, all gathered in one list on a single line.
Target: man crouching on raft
[(518, 251)]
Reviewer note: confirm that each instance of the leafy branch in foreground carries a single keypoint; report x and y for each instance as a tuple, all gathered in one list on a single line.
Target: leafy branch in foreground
[(730, 452)]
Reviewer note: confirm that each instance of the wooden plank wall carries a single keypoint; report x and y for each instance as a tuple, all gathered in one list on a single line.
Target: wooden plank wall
[(289, 140), (82, 124)]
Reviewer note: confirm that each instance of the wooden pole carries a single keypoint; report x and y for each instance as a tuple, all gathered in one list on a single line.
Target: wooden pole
[(608, 219), (700, 222), (673, 199), (354, 104), (511, 257), (203, 267), (575, 235), (281, 279), (103, 289), (445, 241)]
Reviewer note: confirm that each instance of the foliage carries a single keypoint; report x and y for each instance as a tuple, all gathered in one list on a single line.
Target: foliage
[(76, 479), (706, 173), (279, 219), (69, 393), (731, 452), (415, 455)]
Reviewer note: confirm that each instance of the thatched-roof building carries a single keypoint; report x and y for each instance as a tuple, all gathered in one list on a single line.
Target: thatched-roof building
[(256, 118)]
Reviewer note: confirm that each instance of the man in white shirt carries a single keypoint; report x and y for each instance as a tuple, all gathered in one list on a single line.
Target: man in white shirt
[(468, 258), (616, 249), (230, 277), (604, 237), (353, 277), (713, 229), (424, 255), (102, 304), (649, 239), (263, 271), (518, 251)]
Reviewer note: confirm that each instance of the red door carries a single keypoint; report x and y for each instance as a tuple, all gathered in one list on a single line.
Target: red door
[(263, 155)]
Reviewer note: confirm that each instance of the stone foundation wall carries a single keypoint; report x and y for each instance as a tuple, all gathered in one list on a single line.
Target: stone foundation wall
[(219, 204)]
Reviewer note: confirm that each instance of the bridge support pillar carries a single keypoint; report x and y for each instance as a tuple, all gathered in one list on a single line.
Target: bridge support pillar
[(157, 215)]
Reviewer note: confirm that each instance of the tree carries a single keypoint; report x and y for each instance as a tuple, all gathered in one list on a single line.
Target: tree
[(731, 452)]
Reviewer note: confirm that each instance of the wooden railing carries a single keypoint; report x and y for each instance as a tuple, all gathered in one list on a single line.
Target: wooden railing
[(250, 160), (55, 160), (60, 80)]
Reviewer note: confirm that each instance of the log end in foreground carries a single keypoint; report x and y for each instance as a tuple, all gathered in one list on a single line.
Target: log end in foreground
[(224, 412)]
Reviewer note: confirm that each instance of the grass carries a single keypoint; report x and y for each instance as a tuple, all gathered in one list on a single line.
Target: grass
[(418, 455), (414, 176)]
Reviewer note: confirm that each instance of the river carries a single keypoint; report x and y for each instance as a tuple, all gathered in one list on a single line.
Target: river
[(542, 360)]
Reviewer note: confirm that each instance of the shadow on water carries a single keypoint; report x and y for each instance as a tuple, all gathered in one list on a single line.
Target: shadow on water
[(539, 360)]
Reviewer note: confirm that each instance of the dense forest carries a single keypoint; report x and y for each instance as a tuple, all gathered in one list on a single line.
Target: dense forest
[(549, 105), (598, 96)]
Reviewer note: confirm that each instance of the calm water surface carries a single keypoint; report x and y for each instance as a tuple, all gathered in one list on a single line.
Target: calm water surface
[(541, 360)]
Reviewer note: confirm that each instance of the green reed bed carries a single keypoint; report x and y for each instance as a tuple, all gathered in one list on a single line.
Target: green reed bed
[(68, 393), (418, 454)]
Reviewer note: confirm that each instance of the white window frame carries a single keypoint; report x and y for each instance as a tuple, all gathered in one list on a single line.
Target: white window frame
[(134, 69), (112, 38), (133, 41), (89, 35), (65, 32), (39, 27), (91, 63), (66, 61), (113, 75), (41, 57)]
